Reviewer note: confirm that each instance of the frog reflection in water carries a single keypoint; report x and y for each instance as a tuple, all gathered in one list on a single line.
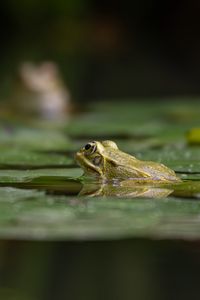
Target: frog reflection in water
[(104, 162)]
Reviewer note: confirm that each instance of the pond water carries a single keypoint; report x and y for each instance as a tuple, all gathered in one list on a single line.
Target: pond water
[(82, 230), (41, 189)]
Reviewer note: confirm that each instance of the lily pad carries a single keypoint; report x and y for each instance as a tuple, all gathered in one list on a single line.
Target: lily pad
[(46, 204), (173, 110), (24, 158), (34, 215), (33, 139), (103, 127), (182, 159), (9, 176)]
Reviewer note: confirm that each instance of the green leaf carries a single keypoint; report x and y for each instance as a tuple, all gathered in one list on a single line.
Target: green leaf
[(26, 214), (18, 157), (33, 139), (12, 176)]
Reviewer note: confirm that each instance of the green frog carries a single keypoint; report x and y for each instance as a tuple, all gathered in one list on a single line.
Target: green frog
[(104, 161)]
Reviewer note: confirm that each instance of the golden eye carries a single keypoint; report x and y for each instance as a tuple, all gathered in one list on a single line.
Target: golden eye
[(90, 148)]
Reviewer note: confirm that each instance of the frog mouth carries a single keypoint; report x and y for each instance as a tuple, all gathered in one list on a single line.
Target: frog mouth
[(87, 165)]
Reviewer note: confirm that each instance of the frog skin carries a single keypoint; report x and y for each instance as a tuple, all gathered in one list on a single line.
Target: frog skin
[(104, 161)]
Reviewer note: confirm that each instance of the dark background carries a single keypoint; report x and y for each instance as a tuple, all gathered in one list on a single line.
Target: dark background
[(100, 270), (106, 49)]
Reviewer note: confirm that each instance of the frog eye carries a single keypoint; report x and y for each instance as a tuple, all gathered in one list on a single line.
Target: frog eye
[(87, 147), (90, 148)]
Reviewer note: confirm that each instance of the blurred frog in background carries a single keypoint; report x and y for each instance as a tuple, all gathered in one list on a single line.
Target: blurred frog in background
[(41, 93), (104, 161)]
